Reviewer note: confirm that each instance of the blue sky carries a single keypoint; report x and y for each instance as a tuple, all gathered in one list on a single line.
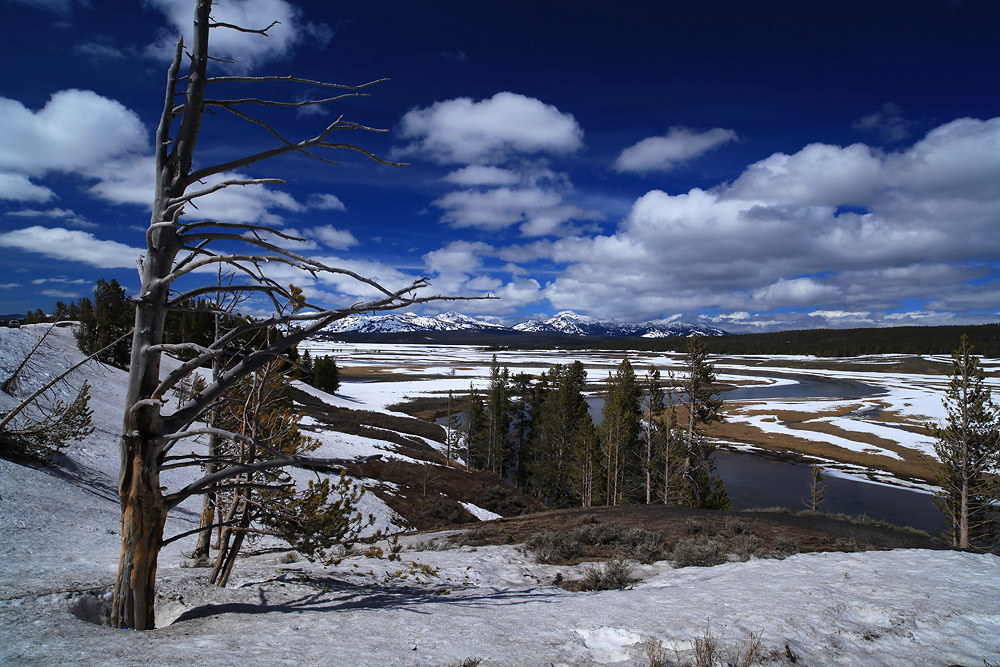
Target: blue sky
[(755, 166)]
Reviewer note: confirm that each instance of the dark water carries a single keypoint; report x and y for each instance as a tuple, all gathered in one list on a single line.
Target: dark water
[(805, 387), (757, 481)]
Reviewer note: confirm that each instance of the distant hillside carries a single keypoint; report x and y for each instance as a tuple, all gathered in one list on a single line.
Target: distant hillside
[(985, 338)]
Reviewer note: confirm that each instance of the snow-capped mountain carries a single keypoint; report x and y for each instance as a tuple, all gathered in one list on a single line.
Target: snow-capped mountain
[(568, 322), (565, 322), (408, 322)]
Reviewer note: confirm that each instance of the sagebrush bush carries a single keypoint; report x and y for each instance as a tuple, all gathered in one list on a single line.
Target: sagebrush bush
[(782, 547), (648, 548), (613, 575), (599, 533), (693, 527), (700, 552), (745, 545), (554, 547)]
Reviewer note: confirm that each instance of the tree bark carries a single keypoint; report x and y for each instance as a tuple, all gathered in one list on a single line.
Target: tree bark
[(143, 517)]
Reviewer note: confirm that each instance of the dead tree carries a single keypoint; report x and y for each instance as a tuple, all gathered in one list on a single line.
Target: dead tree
[(176, 249)]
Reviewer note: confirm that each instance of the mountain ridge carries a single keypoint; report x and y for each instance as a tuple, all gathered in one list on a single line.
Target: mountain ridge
[(565, 322)]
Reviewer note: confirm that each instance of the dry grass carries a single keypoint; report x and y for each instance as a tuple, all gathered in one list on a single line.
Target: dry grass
[(915, 465)]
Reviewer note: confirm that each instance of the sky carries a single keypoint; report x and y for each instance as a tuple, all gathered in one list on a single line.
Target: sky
[(752, 166)]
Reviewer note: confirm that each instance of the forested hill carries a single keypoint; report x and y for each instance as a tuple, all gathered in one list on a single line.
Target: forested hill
[(985, 339)]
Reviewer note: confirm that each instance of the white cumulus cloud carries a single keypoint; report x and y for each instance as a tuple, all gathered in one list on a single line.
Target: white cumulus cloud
[(331, 237), (465, 131), (77, 131), (72, 245)]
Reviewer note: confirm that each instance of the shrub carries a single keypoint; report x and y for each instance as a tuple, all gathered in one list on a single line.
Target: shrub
[(646, 546), (554, 547), (612, 575), (699, 552), (736, 527), (599, 533), (781, 547), (693, 527), (746, 545), (505, 502)]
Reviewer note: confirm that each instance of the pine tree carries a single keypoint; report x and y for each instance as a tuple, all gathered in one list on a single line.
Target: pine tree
[(968, 446), (699, 486), (817, 489), (498, 418), (654, 405), (620, 428), (476, 430), (563, 413), (325, 374), (110, 317), (521, 427)]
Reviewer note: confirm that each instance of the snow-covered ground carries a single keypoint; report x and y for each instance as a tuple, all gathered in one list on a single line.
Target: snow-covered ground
[(59, 546)]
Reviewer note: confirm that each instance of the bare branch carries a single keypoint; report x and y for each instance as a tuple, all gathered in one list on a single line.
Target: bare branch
[(257, 31), (276, 103), (319, 140), (305, 462), (293, 79), (210, 289), (177, 202), (184, 228)]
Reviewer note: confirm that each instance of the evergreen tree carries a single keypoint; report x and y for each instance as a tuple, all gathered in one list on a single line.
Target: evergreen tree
[(699, 486), (476, 429), (306, 364), (620, 428), (110, 318), (521, 427), (498, 419), (563, 413), (968, 446), (654, 405), (817, 489), (528, 456), (325, 374)]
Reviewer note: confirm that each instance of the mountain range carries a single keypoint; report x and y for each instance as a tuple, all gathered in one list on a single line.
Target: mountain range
[(564, 323)]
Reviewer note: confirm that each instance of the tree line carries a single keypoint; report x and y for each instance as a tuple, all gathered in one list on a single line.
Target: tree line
[(648, 447), (834, 342), (110, 315)]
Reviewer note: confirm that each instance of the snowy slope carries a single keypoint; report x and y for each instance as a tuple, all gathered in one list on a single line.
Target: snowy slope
[(59, 546)]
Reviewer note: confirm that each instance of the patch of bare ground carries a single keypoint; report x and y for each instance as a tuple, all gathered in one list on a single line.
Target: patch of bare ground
[(804, 531)]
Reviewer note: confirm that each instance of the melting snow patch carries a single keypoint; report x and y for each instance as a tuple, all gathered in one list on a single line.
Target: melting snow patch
[(480, 513), (608, 644)]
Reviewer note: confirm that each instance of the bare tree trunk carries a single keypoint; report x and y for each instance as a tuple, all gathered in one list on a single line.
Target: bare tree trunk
[(143, 517), (208, 503)]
